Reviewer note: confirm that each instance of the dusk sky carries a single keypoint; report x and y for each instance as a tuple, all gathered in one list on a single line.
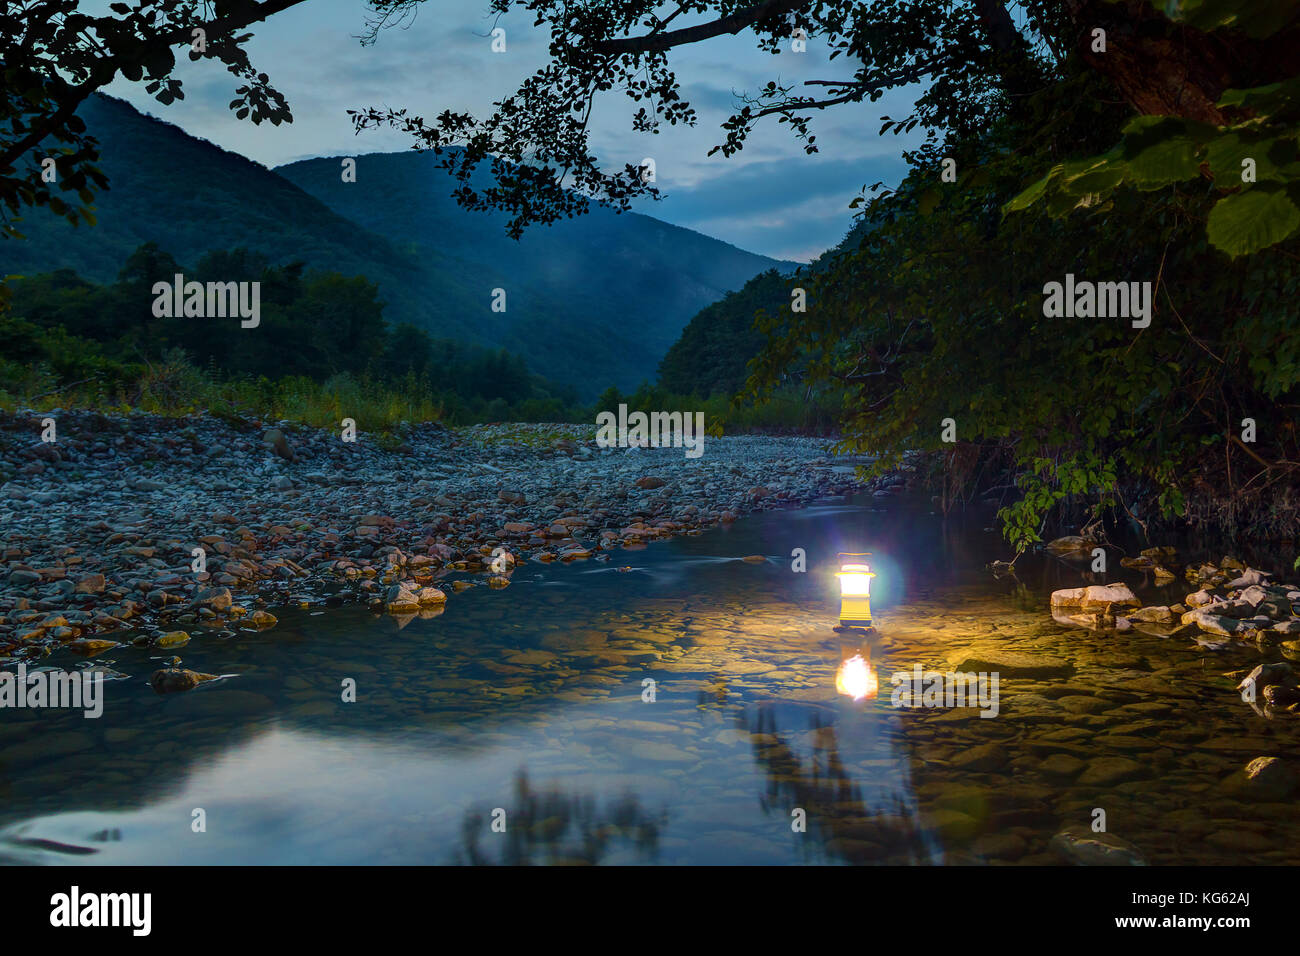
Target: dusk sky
[(772, 198)]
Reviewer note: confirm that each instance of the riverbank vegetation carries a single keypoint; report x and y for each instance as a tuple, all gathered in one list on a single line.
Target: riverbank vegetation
[(321, 351), (933, 321)]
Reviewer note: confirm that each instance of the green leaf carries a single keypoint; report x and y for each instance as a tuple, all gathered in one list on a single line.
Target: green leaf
[(1169, 161), (1252, 220), (1030, 195), (1225, 154), (1101, 178), (1272, 100), (1255, 18)]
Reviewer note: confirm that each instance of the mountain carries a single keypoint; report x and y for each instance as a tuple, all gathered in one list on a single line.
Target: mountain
[(590, 301), (715, 347), (631, 279), (712, 354)]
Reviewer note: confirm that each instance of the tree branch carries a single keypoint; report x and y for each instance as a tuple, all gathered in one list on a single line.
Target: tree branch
[(103, 71), (734, 23)]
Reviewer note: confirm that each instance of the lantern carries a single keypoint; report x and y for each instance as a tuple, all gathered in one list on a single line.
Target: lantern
[(855, 590)]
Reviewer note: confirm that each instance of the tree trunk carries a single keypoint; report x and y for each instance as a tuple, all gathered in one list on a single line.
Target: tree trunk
[(1019, 75), (1165, 69)]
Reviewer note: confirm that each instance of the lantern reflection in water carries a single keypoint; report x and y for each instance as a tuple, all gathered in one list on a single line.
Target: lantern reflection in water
[(856, 678)]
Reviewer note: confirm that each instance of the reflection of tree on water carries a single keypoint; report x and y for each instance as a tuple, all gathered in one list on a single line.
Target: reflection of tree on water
[(858, 821), (551, 826)]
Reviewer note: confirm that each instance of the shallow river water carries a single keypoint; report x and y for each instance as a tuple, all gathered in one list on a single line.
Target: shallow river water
[(672, 705)]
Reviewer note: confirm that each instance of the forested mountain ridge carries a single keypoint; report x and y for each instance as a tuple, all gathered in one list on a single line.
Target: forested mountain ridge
[(586, 301)]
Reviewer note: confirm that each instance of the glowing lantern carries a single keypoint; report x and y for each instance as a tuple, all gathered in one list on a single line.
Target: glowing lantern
[(855, 591), (855, 678)]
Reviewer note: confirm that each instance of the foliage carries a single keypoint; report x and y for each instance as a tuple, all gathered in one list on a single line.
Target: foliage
[(1253, 158), (322, 350), (54, 55), (711, 354), (977, 59), (938, 316)]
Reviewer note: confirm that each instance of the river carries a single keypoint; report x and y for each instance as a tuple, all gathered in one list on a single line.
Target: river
[(674, 705)]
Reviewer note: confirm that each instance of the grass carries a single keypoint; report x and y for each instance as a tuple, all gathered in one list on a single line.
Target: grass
[(172, 386)]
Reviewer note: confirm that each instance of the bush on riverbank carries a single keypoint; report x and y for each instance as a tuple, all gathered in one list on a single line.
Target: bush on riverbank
[(933, 322), (791, 410)]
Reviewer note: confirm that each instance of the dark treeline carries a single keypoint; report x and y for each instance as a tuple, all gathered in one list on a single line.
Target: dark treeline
[(64, 333)]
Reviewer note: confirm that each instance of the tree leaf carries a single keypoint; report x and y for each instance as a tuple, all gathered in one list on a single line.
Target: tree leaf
[(1031, 194), (1251, 220), (1169, 161)]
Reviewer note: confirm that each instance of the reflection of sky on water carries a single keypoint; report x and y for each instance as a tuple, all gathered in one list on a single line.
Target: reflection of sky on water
[(298, 797), (292, 796)]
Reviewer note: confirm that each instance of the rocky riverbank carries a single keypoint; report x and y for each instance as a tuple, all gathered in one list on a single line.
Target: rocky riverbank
[(1232, 604), (152, 529)]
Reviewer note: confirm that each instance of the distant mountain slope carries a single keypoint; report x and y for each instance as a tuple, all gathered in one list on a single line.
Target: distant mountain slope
[(190, 196), (628, 277), (712, 354), (591, 301)]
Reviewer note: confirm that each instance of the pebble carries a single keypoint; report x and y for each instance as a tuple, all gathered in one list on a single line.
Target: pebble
[(112, 528)]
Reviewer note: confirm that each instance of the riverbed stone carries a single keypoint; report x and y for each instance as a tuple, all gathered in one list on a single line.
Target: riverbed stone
[(171, 680), (1095, 597), (1008, 663), (1083, 847), (1108, 771), (1264, 778)]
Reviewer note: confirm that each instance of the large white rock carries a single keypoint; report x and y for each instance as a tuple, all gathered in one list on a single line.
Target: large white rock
[(1213, 623), (1095, 597)]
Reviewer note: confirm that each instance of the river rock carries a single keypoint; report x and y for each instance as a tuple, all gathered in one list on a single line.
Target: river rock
[(1249, 577), (400, 600), (430, 596), (1108, 771), (1153, 615), (1081, 846), (1265, 675), (983, 758), (1095, 597), (172, 639), (89, 647), (215, 599), (1212, 623), (171, 680), (1071, 544), (275, 441), (1264, 778), (91, 584), (1012, 664)]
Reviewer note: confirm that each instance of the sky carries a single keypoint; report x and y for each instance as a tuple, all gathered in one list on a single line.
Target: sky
[(771, 198)]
